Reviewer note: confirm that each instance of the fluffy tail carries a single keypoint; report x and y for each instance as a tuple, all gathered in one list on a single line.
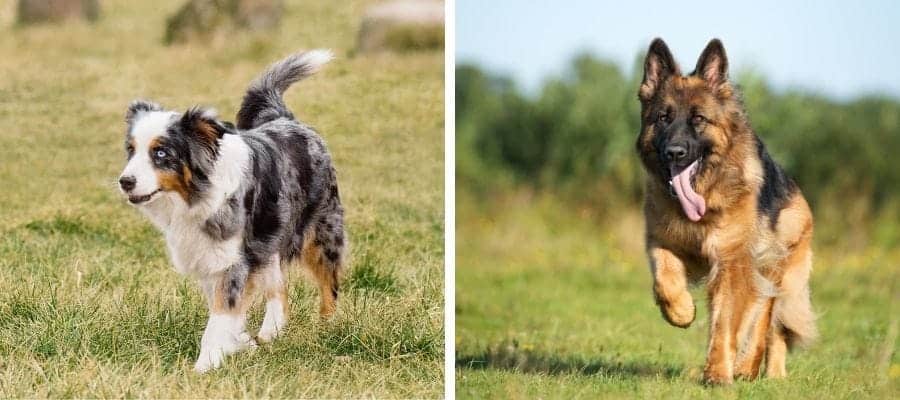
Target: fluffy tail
[(793, 311), (263, 102)]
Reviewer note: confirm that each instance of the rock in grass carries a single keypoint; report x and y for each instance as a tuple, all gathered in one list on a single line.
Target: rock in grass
[(404, 25), (201, 19), (37, 11)]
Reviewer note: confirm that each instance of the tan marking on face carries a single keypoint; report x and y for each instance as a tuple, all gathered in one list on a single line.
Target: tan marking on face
[(668, 100), (154, 143), (172, 182), (186, 175)]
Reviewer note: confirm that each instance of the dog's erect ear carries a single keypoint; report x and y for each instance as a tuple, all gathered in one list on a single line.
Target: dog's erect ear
[(203, 125), (658, 66), (137, 107), (712, 65)]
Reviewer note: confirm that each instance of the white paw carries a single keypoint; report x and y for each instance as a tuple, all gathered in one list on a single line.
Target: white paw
[(266, 335), (273, 322), (270, 329), (224, 335), (211, 356), (208, 360)]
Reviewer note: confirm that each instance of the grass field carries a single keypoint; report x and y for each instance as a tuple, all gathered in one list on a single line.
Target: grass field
[(89, 305), (552, 303)]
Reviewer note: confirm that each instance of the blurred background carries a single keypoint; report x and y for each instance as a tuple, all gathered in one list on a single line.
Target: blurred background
[(552, 281), (89, 304)]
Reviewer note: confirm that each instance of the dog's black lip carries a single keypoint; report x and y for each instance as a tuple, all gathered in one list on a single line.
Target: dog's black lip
[(141, 199)]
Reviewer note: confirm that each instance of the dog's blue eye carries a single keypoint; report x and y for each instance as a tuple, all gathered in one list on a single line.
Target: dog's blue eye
[(161, 154)]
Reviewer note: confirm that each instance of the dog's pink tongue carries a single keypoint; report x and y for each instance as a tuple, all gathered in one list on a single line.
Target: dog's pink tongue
[(692, 203)]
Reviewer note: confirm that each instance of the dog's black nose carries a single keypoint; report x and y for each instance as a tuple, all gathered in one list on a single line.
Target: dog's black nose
[(676, 152), (127, 183)]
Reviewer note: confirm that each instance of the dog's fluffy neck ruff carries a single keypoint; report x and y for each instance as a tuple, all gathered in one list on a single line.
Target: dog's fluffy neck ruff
[(182, 223)]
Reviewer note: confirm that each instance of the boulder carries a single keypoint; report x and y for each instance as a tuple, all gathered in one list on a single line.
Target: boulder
[(405, 25), (38, 11), (200, 19)]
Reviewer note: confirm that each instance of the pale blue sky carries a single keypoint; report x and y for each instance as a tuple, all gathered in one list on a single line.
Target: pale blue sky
[(838, 48)]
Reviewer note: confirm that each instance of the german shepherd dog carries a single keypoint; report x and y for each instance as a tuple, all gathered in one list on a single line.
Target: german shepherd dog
[(718, 207)]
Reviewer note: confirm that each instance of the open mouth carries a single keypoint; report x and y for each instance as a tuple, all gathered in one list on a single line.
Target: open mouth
[(142, 199), (681, 186)]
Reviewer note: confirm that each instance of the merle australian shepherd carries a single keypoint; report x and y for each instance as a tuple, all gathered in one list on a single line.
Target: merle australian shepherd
[(238, 204)]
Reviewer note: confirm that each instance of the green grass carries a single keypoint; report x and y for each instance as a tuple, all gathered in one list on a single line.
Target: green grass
[(555, 302), (89, 304)]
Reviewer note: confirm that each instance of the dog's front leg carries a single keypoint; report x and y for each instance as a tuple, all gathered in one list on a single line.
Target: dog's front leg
[(229, 295), (670, 287), (732, 294)]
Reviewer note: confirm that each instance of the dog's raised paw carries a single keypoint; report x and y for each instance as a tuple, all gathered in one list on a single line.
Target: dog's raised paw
[(680, 312)]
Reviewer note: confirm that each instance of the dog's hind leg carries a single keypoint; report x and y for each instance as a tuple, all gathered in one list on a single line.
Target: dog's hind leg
[(776, 351), (229, 294), (670, 287), (323, 256), (272, 282), (793, 320)]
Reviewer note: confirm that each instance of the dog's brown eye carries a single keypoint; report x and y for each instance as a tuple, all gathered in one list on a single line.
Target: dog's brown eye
[(697, 119), (664, 117)]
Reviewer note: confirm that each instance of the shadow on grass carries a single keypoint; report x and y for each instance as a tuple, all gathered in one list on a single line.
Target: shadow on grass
[(510, 357)]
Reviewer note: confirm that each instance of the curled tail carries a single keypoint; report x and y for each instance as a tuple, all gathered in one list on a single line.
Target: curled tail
[(263, 102)]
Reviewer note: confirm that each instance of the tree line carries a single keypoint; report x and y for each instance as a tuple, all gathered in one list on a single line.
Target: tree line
[(576, 135)]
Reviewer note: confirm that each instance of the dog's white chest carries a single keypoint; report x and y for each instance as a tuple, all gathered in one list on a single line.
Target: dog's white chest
[(196, 254)]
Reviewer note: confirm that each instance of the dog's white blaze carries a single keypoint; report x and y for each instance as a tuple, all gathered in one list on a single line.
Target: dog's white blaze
[(147, 127), (224, 335)]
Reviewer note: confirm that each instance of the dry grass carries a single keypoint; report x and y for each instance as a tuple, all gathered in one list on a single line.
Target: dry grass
[(89, 306)]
